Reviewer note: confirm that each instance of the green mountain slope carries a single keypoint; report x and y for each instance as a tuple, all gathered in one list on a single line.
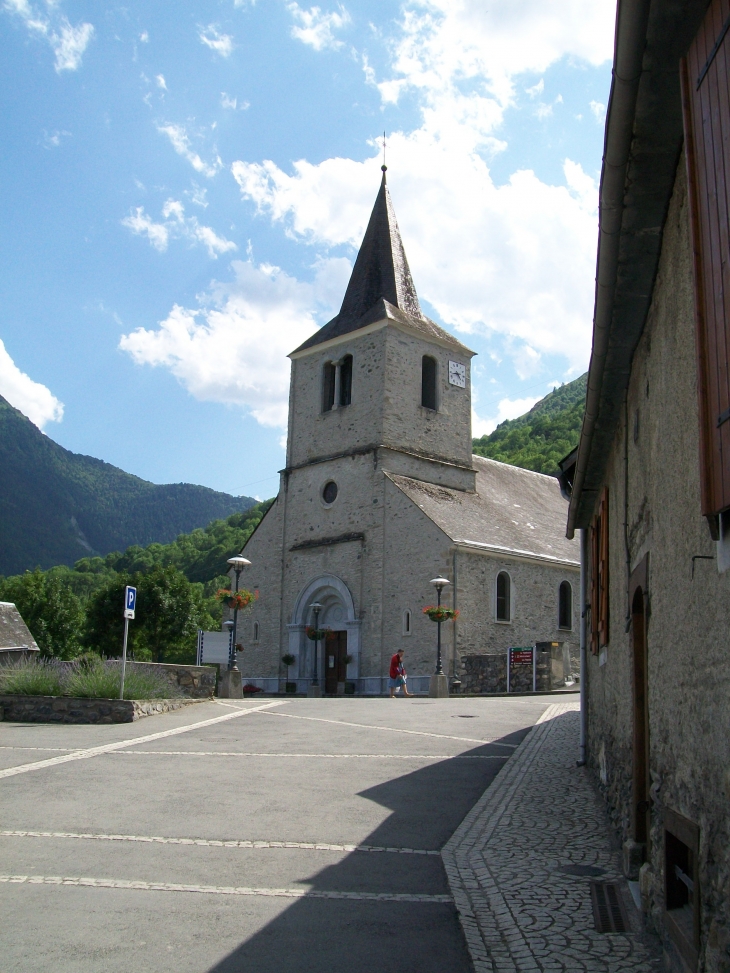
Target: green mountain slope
[(71, 608), (57, 506), (544, 435)]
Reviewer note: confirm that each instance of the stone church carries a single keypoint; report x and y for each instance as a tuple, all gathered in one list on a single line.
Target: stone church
[(381, 493)]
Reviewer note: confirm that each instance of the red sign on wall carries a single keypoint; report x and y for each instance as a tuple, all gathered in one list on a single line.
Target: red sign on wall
[(521, 657)]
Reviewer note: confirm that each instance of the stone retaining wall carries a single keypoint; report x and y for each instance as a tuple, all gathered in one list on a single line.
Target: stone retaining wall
[(69, 709), (195, 682)]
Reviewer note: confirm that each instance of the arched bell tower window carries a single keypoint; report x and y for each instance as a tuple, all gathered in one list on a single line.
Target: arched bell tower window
[(328, 386), (565, 605), (428, 382), (337, 384), (346, 380), (504, 597)]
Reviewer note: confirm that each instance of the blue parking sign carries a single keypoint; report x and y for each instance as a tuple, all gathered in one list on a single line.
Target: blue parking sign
[(130, 598)]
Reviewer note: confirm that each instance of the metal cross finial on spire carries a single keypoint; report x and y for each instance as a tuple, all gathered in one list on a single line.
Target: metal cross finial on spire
[(384, 167)]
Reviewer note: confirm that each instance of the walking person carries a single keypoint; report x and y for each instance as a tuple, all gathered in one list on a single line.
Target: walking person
[(398, 677)]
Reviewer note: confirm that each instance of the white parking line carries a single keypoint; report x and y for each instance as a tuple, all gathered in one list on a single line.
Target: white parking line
[(215, 843), (110, 883), (393, 729), (122, 744), (325, 756)]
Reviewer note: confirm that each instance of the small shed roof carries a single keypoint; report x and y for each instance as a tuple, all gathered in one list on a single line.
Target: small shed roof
[(513, 511), (14, 633)]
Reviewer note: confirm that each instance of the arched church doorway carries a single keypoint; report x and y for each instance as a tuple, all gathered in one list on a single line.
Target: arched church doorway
[(337, 615)]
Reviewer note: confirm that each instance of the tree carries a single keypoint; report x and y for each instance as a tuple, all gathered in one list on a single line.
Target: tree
[(170, 609), (50, 609)]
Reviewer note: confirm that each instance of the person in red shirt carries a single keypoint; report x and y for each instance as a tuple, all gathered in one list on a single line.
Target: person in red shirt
[(397, 676)]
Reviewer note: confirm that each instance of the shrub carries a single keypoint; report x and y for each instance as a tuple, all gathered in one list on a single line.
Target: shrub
[(89, 679), (32, 677), (103, 681)]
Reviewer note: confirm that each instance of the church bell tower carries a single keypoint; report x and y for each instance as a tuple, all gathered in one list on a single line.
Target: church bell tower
[(381, 376)]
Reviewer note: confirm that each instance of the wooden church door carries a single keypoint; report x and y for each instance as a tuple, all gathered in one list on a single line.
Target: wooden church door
[(335, 666)]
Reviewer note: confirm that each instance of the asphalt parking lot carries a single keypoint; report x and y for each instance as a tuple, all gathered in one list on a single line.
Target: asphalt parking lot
[(260, 836)]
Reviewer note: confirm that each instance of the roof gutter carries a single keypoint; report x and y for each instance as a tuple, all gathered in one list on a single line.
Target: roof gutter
[(631, 26)]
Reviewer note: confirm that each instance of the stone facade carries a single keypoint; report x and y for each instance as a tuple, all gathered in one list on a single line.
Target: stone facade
[(653, 483)]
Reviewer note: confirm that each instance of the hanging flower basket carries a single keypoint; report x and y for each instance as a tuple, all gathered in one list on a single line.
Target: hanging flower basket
[(236, 599), (439, 613), (319, 634)]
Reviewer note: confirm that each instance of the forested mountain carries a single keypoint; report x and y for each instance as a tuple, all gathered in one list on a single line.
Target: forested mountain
[(56, 506), (542, 436), (69, 609)]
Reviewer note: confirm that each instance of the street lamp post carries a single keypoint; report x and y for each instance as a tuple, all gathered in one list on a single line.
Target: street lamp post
[(238, 563), (230, 682), (439, 685), (314, 689)]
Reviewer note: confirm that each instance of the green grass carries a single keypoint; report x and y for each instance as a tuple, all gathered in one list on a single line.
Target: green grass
[(100, 681)]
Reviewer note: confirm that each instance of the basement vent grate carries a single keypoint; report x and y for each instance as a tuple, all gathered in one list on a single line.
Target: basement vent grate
[(608, 910)]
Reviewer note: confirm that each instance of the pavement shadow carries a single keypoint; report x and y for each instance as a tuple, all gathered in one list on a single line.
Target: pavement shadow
[(362, 936)]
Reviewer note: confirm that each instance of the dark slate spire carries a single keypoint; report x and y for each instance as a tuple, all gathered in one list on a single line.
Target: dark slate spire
[(381, 286), (381, 269)]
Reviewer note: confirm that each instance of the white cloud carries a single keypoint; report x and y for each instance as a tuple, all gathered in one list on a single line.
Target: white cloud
[(445, 42), (181, 144), (69, 45), (143, 225), (144, 37), (233, 347), (161, 83), (220, 43), (599, 111), (506, 409), (230, 102), (33, 399), (176, 225), (316, 28), (51, 140), (197, 195), (67, 42)]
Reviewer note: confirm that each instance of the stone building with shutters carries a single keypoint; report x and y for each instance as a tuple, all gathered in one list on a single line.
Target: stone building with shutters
[(650, 479), (381, 493)]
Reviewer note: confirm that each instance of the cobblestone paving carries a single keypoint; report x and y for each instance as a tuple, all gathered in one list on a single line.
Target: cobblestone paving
[(519, 912)]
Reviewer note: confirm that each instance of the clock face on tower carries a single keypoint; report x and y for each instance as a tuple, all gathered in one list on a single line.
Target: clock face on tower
[(457, 374)]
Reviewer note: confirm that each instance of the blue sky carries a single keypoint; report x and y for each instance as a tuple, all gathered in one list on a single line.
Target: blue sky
[(185, 186)]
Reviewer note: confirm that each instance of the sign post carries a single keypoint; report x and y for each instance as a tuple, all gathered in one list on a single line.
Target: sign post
[(520, 658), (130, 603)]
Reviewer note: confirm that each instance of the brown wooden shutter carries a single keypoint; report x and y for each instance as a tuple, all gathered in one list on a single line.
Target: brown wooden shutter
[(706, 97), (599, 576)]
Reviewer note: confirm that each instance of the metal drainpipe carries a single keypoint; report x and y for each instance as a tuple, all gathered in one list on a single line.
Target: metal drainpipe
[(583, 654)]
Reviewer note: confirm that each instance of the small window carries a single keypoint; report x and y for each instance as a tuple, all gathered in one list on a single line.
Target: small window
[(255, 631), (565, 606), (346, 380), (329, 492), (681, 884), (328, 386), (428, 382), (504, 597), (406, 622)]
